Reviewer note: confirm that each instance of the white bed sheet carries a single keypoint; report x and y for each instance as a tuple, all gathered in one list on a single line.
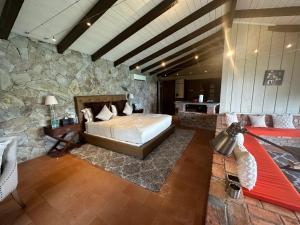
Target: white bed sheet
[(135, 129)]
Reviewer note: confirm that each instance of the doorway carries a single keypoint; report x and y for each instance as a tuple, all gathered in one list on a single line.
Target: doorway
[(167, 97)]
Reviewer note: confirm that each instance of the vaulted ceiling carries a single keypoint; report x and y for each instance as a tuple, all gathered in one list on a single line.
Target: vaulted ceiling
[(141, 33)]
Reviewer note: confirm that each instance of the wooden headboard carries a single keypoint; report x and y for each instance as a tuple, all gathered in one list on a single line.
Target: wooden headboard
[(81, 100)]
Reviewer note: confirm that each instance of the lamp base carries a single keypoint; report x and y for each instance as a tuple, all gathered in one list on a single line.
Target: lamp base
[(54, 124)]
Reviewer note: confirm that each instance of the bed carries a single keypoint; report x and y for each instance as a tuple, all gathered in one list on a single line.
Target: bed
[(135, 135)]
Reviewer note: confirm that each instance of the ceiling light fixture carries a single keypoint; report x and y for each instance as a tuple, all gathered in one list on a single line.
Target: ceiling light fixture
[(205, 71), (163, 64), (53, 39), (177, 74), (256, 51), (89, 24), (230, 53), (165, 75), (196, 57), (289, 45), (137, 67)]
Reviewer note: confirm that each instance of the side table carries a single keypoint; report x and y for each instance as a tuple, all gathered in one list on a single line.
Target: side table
[(60, 135)]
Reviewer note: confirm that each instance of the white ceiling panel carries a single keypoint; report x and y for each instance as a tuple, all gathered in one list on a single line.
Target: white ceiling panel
[(43, 19)]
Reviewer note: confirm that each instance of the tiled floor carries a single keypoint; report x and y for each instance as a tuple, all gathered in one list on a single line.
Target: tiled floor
[(71, 191)]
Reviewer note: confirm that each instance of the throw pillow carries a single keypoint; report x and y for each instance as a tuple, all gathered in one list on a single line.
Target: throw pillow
[(3, 146), (283, 121), (231, 118), (246, 167), (87, 114), (258, 120), (114, 110), (128, 109), (104, 114)]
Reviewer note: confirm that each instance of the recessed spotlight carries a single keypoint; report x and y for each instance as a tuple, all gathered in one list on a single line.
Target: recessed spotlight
[(196, 57), (53, 39), (289, 45), (205, 71), (230, 53), (165, 75), (137, 67), (89, 24), (163, 64), (256, 51), (177, 74)]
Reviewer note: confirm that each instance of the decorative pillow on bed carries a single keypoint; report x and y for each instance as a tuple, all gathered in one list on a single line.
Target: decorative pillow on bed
[(105, 114), (114, 110), (120, 106), (231, 118), (3, 146), (283, 121), (96, 107), (88, 115), (128, 109), (246, 167), (258, 120)]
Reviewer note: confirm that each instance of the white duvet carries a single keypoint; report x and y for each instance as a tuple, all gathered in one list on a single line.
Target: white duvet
[(135, 129)]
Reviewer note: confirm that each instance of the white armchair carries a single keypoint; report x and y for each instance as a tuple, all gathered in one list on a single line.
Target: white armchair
[(9, 174)]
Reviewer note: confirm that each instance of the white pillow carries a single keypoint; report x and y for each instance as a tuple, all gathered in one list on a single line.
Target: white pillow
[(114, 110), (257, 120), (283, 121), (88, 115), (127, 109), (104, 114), (231, 118), (3, 146), (240, 139), (246, 167)]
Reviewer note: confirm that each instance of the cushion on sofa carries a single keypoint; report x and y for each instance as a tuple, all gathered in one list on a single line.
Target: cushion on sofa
[(257, 120), (231, 118), (283, 121)]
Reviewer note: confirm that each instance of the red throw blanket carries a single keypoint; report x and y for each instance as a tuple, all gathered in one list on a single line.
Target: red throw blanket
[(272, 185), (279, 132)]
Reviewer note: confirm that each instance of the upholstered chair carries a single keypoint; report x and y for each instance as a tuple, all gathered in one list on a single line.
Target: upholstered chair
[(9, 174)]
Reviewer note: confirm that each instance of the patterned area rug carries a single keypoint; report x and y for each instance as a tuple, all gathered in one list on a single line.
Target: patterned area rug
[(149, 173), (282, 159)]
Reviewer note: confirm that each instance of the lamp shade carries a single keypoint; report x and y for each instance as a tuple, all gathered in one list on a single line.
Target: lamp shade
[(131, 96), (223, 143), (51, 100)]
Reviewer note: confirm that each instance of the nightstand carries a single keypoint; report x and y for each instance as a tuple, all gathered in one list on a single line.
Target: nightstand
[(63, 134), (138, 111)]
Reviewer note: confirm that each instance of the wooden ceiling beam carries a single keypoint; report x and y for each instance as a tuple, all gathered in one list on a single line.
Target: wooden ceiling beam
[(191, 63), (8, 16), (183, 40), (210, 40), (267, 12), (133, 28), (231, 9), (92, 16), (199, 53), (284, 28), (177, 26)]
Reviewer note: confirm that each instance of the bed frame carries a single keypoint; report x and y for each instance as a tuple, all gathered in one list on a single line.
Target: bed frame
[(137, 151)]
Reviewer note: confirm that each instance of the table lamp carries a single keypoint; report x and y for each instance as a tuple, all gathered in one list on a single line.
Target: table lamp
[(130, 98), (51, 101)]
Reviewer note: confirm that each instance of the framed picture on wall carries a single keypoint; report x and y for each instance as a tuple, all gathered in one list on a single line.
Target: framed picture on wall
[(273, 77)]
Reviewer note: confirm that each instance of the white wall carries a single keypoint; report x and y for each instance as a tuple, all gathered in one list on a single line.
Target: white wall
[(242, 75)]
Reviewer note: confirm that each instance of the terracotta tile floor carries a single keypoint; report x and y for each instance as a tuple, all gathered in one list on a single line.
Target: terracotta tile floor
[(71, 191)]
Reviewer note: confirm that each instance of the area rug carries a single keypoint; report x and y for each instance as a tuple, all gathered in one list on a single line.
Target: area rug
[(282, 159), (149, 173)]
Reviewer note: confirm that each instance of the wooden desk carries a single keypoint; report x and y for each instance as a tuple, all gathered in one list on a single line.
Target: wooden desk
[(60, 134)]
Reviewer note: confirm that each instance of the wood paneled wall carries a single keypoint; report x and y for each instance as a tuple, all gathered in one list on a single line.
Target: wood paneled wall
[(242, 75)]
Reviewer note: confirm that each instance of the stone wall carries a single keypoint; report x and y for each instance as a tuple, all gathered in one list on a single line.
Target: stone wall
[(31, 70)]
